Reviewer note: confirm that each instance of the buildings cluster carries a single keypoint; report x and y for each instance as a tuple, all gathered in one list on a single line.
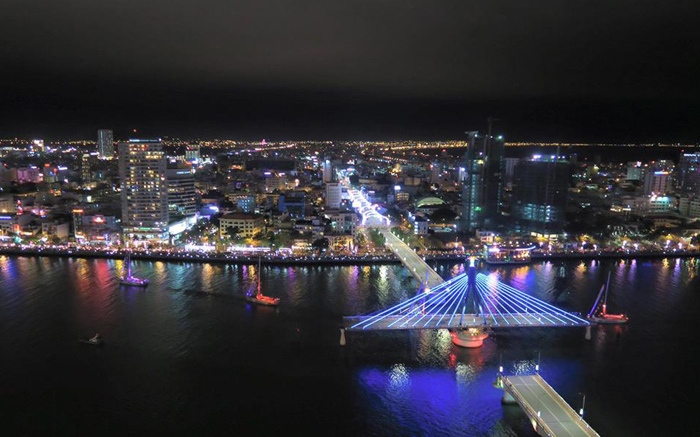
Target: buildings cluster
[(292, 196)]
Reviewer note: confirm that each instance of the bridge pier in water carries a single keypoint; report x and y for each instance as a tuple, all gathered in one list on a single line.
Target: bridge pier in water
[(469, 338)]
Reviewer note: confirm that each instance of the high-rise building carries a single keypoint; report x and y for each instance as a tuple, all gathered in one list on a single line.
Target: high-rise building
[(144, 191), (483, 182), (333, 195), (105, 143), (181, 191), (657, 182), (327, 167), (540, 187), (435, 172), (635, 171), (85, 168), (689, 174), (192, 152)]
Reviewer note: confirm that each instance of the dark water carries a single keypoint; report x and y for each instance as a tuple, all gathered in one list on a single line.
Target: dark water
[(179, 362)]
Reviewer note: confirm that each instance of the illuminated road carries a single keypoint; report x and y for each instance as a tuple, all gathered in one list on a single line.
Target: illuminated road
[(551, 414), (372, 219), (415, 264)]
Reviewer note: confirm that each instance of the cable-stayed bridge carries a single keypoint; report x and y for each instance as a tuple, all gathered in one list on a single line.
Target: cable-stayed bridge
[(469, 304)]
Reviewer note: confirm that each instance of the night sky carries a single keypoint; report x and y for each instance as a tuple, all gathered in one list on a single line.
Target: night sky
[(551, 70)]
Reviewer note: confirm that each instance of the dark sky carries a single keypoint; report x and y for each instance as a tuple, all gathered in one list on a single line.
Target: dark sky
[(564, 70)]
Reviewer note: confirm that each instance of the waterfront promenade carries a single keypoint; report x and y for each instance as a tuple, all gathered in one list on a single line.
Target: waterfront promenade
[(181, 256)]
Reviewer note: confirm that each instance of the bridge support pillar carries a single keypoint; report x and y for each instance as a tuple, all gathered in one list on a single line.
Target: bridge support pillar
[(507, 398), (588, 332), (469, 338), (342, 337)]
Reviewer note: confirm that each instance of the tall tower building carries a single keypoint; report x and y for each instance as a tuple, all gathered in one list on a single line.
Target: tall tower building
[(333, 195), (657, 182), (689, 174), (181, 191), (85, 168), (483, 181), (105, 143), (473, 186), (540, 192), (144, 191), (327, 167)]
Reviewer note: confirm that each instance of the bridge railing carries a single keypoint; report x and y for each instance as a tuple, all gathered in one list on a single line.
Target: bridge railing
[(507, 385), (519, 398)]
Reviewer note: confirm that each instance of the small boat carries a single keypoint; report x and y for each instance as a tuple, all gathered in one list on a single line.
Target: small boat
[(256, 296), (599, 312), (127, 278), (95, 340)]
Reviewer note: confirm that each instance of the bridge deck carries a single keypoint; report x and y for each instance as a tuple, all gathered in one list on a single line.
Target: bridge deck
[(414, 263), (455, 321), (554, 417)]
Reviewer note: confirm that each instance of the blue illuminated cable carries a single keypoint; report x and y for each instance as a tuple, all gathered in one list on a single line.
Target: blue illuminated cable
[(457, 299), (458, 292), (552, 308), (518, 301), (507, 306), (402, 305), (457, 304), (525, 313), (488, 308), (438, 297), (431, 305), (495, 304), (539, 304), (427, 313), (417, 308)]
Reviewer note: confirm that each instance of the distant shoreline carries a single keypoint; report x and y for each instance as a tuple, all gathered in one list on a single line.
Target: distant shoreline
[(306, 261)]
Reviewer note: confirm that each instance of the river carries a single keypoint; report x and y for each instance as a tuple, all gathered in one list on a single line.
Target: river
[(186, 357)]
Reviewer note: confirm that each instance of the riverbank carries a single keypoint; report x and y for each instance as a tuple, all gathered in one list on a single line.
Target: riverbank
[(309, 260), (614, 255)]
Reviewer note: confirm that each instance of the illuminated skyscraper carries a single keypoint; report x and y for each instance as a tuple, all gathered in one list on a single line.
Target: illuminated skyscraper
[(105, 143), (327, 167), (689, 174), (85, 168), (540, 192), (181, 191), (657, 182), (144, 190), (333, 195), (482, 184)]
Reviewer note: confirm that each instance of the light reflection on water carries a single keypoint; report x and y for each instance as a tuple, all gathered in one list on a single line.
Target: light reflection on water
[(173, 340)]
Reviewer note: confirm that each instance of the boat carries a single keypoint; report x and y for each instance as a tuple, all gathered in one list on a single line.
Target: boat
[(95, 340), (255, 295), (599, 313), (127, 278)]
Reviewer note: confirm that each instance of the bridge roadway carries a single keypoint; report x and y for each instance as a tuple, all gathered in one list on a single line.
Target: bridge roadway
[(371, 219), (414, 263), (417, 320), (550, 415)]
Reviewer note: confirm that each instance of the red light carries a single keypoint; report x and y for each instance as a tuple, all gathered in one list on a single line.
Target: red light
[(98, 219)]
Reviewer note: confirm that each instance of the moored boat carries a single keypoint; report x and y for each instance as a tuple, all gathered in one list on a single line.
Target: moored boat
[(127, 278), (599, 314), (255, 295)]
